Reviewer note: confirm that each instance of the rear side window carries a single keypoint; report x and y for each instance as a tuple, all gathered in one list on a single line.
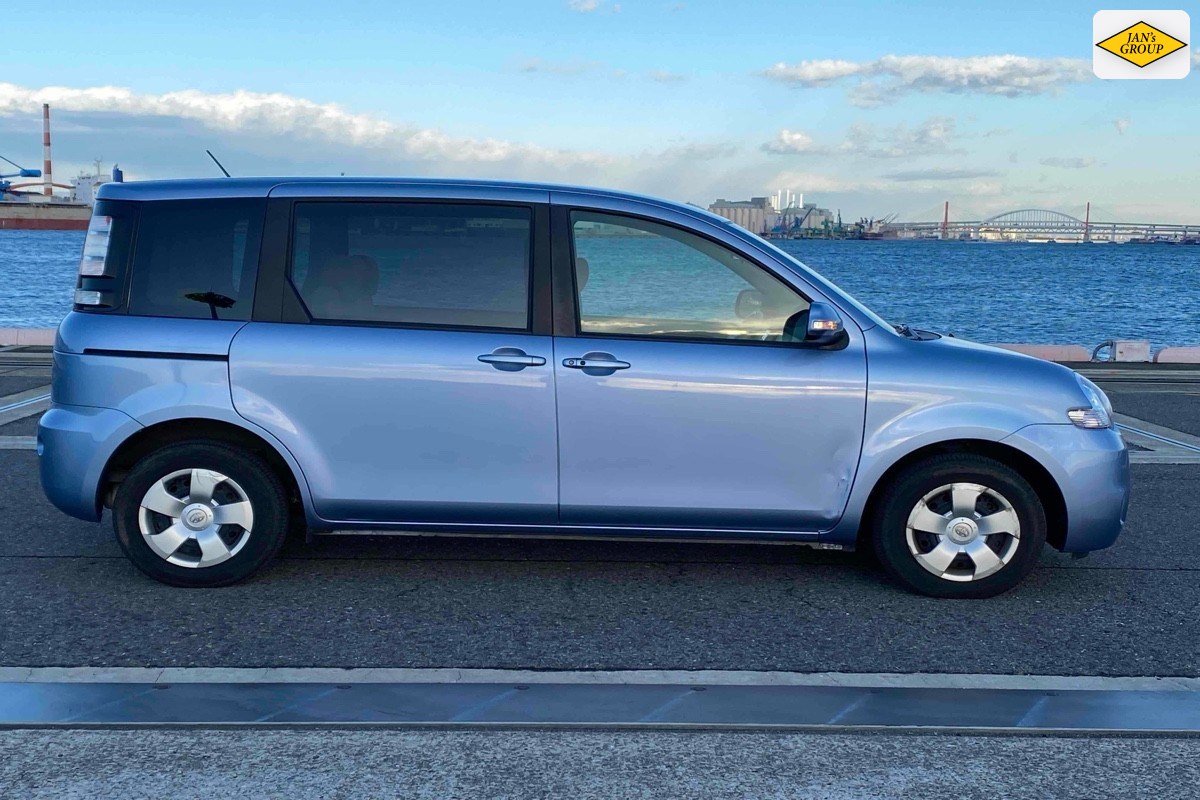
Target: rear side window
[(430, 264), (196, 258)]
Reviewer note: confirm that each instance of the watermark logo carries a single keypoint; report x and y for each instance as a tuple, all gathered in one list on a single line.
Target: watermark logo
[(1141, 44)]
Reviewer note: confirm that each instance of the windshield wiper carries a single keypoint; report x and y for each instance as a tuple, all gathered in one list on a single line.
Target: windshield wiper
[(905, 331)]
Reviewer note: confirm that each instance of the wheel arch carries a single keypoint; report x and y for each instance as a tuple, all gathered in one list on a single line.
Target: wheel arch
[(1026, 465), (175, 431)]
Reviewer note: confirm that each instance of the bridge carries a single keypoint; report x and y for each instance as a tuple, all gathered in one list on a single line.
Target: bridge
[(1040, 224)]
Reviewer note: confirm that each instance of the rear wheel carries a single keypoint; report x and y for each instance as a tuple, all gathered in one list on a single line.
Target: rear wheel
[(959, 525), (200, 514)]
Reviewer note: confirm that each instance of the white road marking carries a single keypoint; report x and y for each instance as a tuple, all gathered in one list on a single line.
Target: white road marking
[(24, 404), (1163, 445)]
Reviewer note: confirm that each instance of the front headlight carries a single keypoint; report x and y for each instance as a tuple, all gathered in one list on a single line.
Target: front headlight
[(1098, 414)]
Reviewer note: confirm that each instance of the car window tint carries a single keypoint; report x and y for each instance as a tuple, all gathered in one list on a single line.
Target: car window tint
[(640, 278), (196, 258), (414, 263)]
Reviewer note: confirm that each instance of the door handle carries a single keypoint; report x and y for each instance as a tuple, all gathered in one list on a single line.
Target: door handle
[(511, 359), (595, 361)]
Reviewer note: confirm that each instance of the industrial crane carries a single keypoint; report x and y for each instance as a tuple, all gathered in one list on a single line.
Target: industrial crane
[(6, 185)]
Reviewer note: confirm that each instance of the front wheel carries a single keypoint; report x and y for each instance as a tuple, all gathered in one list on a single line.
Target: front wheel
[(200, 514), (959, 525)]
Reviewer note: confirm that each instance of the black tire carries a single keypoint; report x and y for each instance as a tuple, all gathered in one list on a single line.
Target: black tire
[(889, 529), (260, 484)]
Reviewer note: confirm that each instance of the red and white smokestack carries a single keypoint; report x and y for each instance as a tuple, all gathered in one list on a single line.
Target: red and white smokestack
[(47, 178)]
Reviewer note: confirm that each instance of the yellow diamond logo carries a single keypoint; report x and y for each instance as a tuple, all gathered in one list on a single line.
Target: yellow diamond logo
[(1141, 44)]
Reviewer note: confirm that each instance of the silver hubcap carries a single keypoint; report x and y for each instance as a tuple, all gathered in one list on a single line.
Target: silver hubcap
[(963, 532), (196, 518)]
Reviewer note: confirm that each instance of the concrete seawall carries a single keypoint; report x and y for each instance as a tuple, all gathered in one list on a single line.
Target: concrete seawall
[(1070, 353), (26, 336)]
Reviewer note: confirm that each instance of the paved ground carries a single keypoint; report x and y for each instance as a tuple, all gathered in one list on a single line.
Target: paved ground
[(1178, 408), (14, 381), (73, 600), (22, 427), (92, 765)]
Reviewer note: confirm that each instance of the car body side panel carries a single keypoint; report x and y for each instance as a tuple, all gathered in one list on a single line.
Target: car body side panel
[(923, 393), (405, 425), (145, 336), (710, 435), (147, 371), (1091, 468), (74, 444)]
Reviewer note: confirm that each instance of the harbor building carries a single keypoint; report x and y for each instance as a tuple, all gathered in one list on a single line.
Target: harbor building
[(757, 215), (769, 216)]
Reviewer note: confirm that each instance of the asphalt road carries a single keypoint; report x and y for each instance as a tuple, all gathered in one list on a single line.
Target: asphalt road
[(152, 764), (1174, 406), (71, 599)]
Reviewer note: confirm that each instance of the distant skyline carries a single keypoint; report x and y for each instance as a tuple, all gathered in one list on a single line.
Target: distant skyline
[(868, 107)]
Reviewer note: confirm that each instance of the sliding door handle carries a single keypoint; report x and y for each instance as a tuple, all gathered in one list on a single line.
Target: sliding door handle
[(511, 359)]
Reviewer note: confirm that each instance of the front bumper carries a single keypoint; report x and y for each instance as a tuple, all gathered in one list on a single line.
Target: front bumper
[(74, 444), (1092, 470)]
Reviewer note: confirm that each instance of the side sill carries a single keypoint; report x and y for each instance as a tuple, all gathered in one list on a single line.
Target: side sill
[(616, 534)]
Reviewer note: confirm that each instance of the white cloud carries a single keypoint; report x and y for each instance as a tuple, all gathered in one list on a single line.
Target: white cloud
[(557, 67), (884, 79), (283, 115), (592, 6), (1196, 56), (816, 73), (934, 136), (1122, 124), (665, 76), (1068, 163), (791, 142)]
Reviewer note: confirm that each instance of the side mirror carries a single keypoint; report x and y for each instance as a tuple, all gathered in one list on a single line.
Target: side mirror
[(824, 325), (749, 304)]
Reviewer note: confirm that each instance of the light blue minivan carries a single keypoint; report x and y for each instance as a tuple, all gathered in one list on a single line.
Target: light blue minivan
[(248, 357)]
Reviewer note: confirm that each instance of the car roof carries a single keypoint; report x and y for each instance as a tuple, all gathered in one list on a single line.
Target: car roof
[(209, 188)]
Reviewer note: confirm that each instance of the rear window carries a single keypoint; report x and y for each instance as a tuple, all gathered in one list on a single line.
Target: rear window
[(196, 258)]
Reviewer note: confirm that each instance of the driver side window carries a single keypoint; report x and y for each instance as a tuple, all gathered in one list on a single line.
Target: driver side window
[(639, 278)]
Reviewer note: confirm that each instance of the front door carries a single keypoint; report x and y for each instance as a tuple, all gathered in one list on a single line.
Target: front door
[(681, 404), (418, 390)]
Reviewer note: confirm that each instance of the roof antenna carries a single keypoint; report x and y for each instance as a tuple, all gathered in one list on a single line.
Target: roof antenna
[(218, 163)]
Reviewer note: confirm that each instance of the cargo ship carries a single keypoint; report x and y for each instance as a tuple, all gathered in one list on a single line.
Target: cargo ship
[(24, 215), (23, 207)]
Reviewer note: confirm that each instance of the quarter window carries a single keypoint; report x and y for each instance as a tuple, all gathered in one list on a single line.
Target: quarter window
[(196, 258), (434, 264), (639, 278)]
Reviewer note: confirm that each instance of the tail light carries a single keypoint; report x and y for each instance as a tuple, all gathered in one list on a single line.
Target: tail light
[(105, 251), (95, 246)]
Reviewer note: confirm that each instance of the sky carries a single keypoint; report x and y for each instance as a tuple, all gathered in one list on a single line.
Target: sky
[(870, 108)]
